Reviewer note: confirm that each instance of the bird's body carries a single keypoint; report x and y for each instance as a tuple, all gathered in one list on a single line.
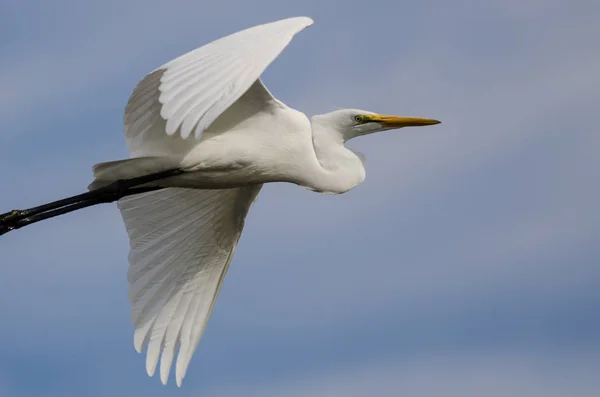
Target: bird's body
[(258, 139), (213, 134)]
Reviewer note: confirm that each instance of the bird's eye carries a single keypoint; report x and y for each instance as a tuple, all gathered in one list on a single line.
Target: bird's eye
[(359, 118)]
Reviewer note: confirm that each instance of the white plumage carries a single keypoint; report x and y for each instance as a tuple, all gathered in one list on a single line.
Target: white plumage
[(208, 114), (182, 240), (204, 135)]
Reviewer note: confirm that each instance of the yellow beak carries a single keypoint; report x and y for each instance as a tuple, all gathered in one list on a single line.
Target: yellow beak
[(400, 121)]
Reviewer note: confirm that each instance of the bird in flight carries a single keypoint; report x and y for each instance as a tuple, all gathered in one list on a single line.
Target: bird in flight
[(204, 135)]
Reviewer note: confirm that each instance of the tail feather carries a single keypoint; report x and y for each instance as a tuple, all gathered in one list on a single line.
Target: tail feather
[(111, 171)]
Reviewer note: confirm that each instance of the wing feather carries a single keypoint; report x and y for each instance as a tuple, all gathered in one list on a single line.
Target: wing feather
[(182, 241), (193, 90)]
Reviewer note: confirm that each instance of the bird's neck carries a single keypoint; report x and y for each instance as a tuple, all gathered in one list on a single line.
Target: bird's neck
[(339, 169)]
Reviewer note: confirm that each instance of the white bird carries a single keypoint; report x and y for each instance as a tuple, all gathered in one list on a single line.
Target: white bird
[(204, 135)]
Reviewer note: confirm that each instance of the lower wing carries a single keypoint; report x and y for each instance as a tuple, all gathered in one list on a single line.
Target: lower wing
[(182, 241)]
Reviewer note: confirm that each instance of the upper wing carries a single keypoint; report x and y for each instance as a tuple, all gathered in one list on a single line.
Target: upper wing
[(182, 241), (190, 92)]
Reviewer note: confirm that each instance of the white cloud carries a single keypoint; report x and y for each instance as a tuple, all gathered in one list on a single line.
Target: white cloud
[(449, 374)]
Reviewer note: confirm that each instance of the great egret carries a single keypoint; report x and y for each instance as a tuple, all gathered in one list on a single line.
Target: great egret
[(204, 134)]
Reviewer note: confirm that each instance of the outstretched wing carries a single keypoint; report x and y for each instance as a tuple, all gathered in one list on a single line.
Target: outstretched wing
[(182, 241), (189, 93)]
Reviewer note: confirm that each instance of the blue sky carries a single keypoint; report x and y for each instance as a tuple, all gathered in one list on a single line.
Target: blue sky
[(467, 264)]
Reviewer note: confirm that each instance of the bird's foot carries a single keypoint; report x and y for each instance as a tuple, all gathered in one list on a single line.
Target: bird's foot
[(10, 220), (9, 216)]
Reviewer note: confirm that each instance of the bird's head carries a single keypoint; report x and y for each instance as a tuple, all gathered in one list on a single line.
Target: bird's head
[(352, 123)]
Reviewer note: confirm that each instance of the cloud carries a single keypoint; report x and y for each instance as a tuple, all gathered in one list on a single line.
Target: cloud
[(450, 374), (493, 212)]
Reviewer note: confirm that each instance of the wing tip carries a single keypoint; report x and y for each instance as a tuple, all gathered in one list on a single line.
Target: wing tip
[(307, 21), (301, 22), (164, 377)]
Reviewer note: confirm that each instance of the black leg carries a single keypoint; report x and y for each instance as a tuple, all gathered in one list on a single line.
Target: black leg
[(15, 215), (29, 216), (18, 218)]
